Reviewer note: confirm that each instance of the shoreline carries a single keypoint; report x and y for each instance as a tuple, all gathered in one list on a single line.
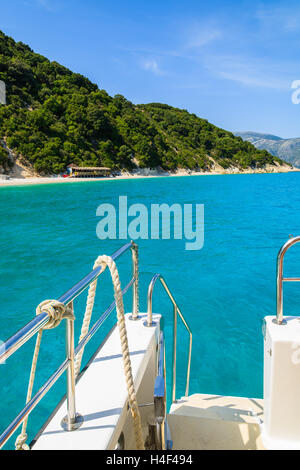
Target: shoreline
[(38, 180)]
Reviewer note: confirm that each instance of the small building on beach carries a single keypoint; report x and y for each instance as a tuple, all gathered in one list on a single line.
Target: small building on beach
[(87, 171)]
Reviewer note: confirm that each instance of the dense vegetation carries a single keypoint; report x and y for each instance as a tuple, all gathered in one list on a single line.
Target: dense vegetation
[(5, 161), (54, 117)]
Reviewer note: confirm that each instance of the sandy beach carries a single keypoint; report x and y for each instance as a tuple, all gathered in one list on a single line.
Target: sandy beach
[(142, 173)]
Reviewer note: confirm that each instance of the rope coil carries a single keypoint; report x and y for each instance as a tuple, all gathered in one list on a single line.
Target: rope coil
[(56, 311)]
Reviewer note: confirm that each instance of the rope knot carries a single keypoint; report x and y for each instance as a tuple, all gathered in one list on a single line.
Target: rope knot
[(56, 311), (21, 442)]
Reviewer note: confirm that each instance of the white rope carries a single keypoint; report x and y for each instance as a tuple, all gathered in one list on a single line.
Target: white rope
[(87, 318), (108, 261), (56, 311)]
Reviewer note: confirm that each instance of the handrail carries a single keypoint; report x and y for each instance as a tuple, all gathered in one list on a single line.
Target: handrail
[(55, 376), (176, 310), (30, 329), (280, 279), (23, 335), (160, 393)]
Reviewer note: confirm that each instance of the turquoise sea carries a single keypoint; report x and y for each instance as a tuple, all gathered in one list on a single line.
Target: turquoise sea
[(48, 242)]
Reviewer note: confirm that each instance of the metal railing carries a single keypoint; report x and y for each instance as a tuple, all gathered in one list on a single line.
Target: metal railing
[(176, 310), (73, 419), (280, 279), (160, 393)]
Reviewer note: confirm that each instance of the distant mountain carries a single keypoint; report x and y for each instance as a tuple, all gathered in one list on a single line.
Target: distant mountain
[(287, 149)]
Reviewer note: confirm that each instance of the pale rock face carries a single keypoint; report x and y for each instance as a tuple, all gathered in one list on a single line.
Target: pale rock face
[(215, 170), (2, 93), (287, 149)]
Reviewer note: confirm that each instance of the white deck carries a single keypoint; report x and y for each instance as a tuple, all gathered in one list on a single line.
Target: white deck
[(214, 422), (101, 394)]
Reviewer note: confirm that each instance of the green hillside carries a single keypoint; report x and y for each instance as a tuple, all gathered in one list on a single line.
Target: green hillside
[(54, 117)]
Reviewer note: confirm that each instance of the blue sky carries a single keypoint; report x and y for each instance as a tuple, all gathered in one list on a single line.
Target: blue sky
[(231, 62)]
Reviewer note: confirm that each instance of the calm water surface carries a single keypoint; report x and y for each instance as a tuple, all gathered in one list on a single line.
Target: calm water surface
[(48, 242)]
